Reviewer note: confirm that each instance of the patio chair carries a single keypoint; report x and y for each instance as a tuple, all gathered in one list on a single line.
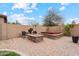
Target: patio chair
[(23, 34), (34, 32)]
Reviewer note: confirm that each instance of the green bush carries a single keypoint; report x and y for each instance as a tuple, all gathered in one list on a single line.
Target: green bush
[(67, 31), (8, 53)]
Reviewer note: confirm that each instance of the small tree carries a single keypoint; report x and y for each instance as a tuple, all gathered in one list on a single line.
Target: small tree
[(17, 22), (13, 23), (52, 18), (35, 24), (68, 28)]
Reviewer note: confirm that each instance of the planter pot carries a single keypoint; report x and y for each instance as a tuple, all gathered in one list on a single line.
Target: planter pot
[(23, 33), (75, 39)]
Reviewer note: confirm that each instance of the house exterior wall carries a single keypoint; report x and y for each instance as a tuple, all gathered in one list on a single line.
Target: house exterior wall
[(4, 31), (3, 27)]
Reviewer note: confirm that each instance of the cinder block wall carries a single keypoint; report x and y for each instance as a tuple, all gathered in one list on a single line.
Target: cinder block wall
[(8, 31), (41, 29), (12, 31), (15, 30), (56, 29)]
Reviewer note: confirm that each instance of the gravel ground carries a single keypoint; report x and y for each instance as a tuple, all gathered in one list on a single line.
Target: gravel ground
[(48, 47)]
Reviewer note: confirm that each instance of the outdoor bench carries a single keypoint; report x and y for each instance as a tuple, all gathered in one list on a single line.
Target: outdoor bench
[(52, 34)]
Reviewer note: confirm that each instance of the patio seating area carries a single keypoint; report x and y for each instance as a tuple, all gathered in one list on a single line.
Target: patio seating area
[(63, 46)]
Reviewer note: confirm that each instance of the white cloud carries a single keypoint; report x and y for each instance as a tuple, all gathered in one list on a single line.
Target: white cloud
[(28, 11), (4, 13), (11, 12), (62, 8), (40, 16), (34, 6), (73, 19), (22, 19), (27, 7), (18, 5), (50, 8), (64, 4)]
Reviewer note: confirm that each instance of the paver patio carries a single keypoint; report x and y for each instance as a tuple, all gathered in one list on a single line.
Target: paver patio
[(60, 47)]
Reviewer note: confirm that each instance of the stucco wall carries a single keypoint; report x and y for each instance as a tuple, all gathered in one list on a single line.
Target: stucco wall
[(0, 31)]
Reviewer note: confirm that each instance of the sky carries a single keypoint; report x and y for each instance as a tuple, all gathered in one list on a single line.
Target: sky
[(26, 13)]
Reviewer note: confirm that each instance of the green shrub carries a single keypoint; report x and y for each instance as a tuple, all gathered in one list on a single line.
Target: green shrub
[(8, 53), (67, 31)]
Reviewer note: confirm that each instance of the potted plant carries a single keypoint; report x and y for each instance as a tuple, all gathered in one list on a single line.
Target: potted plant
[(75, 39), (30, 30), (23, 34)]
